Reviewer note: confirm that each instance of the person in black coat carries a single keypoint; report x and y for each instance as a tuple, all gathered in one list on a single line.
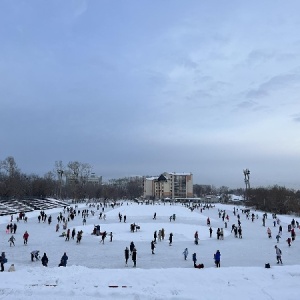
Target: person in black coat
[(152, 247), (134, 257), (63, 261), (131, 247), (170, 238), (3, 260), (126, 255), (45, 260)]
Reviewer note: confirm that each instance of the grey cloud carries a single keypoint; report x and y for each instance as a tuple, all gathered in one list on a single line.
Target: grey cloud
[(275, 83), (257, 93), (296, 118), (246, 105), (259, 56)]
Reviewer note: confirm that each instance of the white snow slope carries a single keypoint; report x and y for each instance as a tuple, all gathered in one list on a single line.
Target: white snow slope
[(95, 270)]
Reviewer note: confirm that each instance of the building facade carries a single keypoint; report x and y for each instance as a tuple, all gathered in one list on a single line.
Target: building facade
[(169, 185)]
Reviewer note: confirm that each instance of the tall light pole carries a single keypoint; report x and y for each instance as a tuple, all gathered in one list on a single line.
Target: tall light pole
[(247, 183), (60, 174)]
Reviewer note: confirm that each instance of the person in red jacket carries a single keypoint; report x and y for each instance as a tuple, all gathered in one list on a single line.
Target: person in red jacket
[(25, 237)]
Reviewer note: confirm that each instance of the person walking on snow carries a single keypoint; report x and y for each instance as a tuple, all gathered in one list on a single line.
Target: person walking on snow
[(196, 236), (12, 241), (217, 258), (134, 257), (68, 235), (185, 253), (170, 239), (63, 260), (152, 247), (278, 237), (278, 254), (25, 237), (131, 247), (3, 260), (45, 260), (155, 236), (210, 232), (126, 256), (194, 259), (269, 232)]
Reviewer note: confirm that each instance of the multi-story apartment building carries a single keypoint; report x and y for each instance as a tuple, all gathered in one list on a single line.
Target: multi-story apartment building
[(92, 178), (169, 185)]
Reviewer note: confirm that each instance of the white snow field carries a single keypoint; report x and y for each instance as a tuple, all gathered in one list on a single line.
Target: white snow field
[(97, 270)]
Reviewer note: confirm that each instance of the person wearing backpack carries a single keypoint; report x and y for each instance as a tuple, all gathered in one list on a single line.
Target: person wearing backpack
[(278, 254)]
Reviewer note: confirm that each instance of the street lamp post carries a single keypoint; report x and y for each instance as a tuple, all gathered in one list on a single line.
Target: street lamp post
[(247, 183), (60, 174)]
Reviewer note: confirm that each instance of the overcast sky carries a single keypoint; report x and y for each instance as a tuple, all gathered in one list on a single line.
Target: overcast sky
[(142, 87)]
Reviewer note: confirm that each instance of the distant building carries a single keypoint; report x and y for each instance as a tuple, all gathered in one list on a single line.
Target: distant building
[(94, 179), (71, 179), (169, 185)]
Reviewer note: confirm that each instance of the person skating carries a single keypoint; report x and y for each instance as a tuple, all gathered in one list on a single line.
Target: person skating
[(289, 241), (68, 235), (196, 236), (194, 259), (170, 239), (240, 232), (79, 236), (126, 256), (210, 232), (103, 237), (12, 241), (3, 260), (45, 260), (269, 232), (63, 260), (73, 233), (131, 247), (134, 257), (217, 258), (25, 237), (152, 247), (278, 254), (278, 237), (185, 253)]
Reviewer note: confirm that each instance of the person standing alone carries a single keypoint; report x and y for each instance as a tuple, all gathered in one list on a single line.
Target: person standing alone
[(217, 258), (278, 254)]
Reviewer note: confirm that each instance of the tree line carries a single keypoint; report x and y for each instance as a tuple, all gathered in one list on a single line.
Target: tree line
[(275, 199), (14, 184)]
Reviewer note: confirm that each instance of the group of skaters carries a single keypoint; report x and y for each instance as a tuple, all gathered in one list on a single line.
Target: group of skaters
[(12, 239), (35, 256)]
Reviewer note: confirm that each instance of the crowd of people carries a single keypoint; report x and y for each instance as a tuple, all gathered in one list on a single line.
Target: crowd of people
[(69, 214)]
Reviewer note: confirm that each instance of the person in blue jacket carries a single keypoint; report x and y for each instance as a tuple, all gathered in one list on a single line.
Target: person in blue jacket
[(217, 258), (63, 261)]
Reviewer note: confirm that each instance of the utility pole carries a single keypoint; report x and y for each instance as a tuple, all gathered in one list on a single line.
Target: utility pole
[(60, 174)]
